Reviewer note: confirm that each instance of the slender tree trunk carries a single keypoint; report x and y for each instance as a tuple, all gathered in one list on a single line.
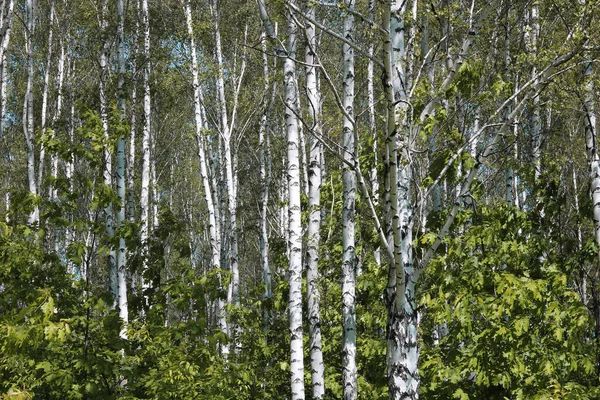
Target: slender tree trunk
[(349, 373), (59, 106), (5, 30), (121, 254), (28, 127), (403, 350), (372, 123), (208, 193), (314, 218), (145, 193), (265, 178), (233, 296), (133, 120), (536, 123), (294, 215), (592, 148), (108, 171), (44, 110)]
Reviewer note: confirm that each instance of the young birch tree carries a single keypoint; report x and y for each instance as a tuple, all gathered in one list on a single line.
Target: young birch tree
[(294, 212), (5, 31), (121, 252), (28, 120), (108, 170), (349, 373), (208, 193), (314, 204), (227, 133), (145, 194)]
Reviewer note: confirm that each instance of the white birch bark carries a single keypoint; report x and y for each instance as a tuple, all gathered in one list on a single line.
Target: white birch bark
[(531, 41), (145, 189), (372, 123), (5, 31), (59, 106), (403, 350), (212, 218), (133, 119), (349, 372), (265, 178), (44, 110), (108, 170), (592, 149), (121, 253), (233, 292), (314, 218), (294, 215), (28, 127)]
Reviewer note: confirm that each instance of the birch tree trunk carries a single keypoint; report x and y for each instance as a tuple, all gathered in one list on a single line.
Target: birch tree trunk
[(28, 127), (233, 292), (372, 124), (349, 373), (145, 193), (402, 346), (121, 254), (44, 110), (210, 204), (314, 205), (108, 211), (5, 31), (265, 178), (536, 124), (592, 148), (133, 120), (59, 106), (294, 214)]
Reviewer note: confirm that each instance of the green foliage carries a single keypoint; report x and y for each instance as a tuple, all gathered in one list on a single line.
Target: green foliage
[(502, 321)]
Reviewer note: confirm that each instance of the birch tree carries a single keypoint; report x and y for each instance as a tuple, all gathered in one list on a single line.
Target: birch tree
[(294, 213), (28, 120), (227, 135), (121, 253), (349, 373), (314, 204), (145, 193), (208, 193)]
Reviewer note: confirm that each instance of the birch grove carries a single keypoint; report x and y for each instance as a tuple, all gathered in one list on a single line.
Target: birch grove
[(202, 199)]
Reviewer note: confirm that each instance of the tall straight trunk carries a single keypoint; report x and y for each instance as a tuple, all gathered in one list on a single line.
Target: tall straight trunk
[(121, 254), (208, 193), (265, 178), (28, 127), (44, 110), (536, 123), (314, 206), (594, 162), (59, 106), (349, 373), (133, 119), (233, 292), (509, 174), (592, 147), (69, 165), (145, 192), (294, 214), (155, 197), (108, 171), (372, 124), (402, 346), (5, 30)]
